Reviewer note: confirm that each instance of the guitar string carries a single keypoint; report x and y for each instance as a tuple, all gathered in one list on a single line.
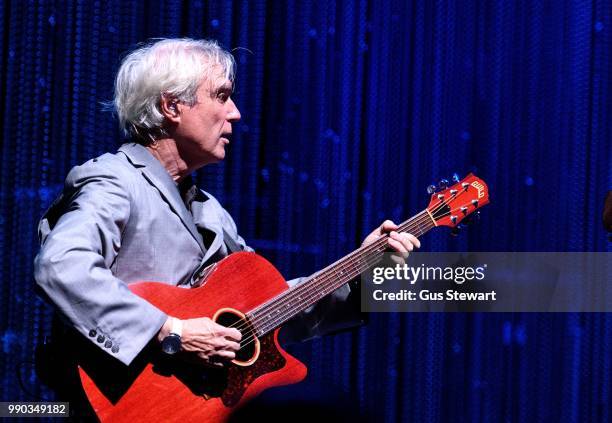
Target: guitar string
[(343, 268), (251, 334), (347, 260), (408, 225), (418, 221), (270, 324), (324, 284), (264, 326)]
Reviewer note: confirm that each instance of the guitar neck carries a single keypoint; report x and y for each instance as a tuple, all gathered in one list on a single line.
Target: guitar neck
[(288, 304)]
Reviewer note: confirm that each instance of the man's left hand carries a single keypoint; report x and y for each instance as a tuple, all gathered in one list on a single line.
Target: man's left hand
[(401, 242)]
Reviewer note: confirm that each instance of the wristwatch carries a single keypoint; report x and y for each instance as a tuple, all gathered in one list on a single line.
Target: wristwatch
[(172, 343)]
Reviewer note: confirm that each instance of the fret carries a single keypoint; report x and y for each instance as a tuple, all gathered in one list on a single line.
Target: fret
[(291, 302)]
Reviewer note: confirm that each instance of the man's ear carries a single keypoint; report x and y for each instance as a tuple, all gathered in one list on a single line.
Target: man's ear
[(169, 107)]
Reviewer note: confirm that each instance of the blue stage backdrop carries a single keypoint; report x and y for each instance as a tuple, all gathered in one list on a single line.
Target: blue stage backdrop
[(350, 109)]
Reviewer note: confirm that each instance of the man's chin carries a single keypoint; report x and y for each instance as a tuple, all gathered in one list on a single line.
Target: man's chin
[(218, 157)]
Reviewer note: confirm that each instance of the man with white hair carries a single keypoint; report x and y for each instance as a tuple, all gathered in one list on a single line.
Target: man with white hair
[(135, 215)]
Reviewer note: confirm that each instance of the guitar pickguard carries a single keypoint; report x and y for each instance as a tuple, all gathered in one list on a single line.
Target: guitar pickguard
[(240, 378)]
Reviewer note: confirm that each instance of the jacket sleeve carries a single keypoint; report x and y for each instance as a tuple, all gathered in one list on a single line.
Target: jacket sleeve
[(78, 249), (337, 312)]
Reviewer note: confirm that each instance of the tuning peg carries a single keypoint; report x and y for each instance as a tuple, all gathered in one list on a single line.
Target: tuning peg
[(475, 203), (456, 178), (443, 183), (431, 189)]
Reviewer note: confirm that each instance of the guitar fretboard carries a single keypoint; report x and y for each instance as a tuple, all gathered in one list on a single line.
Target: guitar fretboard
[(283, 307)]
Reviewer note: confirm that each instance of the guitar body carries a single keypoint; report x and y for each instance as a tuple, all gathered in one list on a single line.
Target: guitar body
[(157, 387)]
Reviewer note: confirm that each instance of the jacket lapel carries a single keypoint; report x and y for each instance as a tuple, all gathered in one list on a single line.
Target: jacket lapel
[(201, 209), (156, 175)]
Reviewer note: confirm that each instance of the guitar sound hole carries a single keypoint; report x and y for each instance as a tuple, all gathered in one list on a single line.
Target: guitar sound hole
[(247, 344)]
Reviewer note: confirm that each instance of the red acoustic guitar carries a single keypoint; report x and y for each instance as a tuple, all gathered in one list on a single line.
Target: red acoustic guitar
[(246, 292)]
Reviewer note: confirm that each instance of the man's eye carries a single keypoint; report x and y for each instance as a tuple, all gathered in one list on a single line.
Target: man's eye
[(223, 97)]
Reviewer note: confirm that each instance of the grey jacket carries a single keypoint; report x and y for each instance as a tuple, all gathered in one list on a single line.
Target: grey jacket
[(121, 219)]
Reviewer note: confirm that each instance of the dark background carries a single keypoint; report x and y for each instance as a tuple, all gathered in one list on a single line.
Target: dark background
[(350, 109)]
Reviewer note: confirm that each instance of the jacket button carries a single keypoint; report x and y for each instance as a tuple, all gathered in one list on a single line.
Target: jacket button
[(100, 338), (115, 349), (92, 333), (108, 344)]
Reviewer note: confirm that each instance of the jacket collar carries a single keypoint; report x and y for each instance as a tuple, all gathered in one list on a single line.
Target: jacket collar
[(156, 175)]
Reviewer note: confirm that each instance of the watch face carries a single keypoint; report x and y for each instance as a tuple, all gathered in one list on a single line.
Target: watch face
[(171, 344)]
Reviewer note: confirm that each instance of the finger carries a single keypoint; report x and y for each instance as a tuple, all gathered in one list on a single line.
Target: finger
[(232, 334), (387, 226), (415, 241), (228, 346), (223, 355), (408, 240), (402, 239), (396, 245), (398, 258)]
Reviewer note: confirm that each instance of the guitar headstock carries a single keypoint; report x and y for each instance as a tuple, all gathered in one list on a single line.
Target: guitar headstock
[(450, 206)]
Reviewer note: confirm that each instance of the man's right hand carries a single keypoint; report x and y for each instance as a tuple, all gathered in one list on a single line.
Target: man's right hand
[(210, 342)]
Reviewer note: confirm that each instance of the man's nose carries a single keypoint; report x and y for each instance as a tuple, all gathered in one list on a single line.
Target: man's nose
[(234, 114)]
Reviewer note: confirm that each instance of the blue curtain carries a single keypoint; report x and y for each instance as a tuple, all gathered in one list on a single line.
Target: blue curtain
[(350, 109)]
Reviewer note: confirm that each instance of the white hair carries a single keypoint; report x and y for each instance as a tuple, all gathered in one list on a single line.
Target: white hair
[(167, 67)]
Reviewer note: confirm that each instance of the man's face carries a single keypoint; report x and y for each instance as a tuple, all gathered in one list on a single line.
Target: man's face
[(204, 128)]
